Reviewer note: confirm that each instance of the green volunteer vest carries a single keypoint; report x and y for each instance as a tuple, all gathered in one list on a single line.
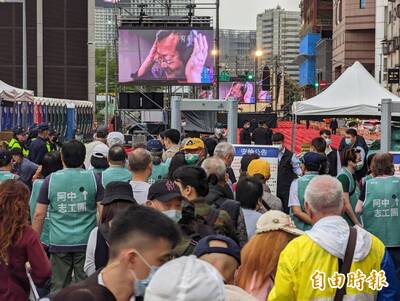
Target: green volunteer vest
[(14, 143), (6, 175), (353, 197), (302, 184), (44, 237), (381, 209), (159, 172), (72, 208), (115, 174)]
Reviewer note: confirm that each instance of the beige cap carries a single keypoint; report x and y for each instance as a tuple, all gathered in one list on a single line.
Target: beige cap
[(276, 220)]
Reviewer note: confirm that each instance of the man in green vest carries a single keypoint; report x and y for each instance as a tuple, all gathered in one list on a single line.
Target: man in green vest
[(18, 140), (70, 195), (6, 166), (312, 165), (117, 170)]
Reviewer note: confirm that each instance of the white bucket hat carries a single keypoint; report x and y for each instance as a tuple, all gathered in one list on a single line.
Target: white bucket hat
[(276, 220)]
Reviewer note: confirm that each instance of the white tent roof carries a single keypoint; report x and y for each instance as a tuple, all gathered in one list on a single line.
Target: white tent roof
[(354, 93), (11, 93)]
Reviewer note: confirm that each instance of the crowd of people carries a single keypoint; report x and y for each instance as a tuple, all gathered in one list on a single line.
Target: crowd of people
[(170, 220)]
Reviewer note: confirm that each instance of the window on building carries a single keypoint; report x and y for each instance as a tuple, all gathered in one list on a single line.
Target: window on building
[(363, 3)]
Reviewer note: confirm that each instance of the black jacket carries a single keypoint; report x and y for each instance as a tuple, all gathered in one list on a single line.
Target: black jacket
[(37, 150), (222, 198), (245, 136), (262, 136), (285, 178)]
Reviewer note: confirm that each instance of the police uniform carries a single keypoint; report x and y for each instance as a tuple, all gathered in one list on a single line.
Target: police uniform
[(14, 143)]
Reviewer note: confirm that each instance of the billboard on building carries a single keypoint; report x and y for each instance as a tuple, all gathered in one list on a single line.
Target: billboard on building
[(172, 56)]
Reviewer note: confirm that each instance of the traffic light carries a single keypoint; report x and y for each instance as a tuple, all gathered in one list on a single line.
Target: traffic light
[(250, 76), (316, 85)]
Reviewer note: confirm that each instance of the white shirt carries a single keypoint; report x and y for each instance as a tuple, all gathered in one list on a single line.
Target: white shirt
[(90, 266), (293, 194), (140, 191)]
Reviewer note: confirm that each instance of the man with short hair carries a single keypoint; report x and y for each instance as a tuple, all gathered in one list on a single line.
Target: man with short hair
[(262, 135), (226, 152), (353, 140), (6, 166), (141, 166), (99, 137), (171, 141), (141, 240), (19, 140), (249, 193), (24, 168), (117, 170), (38, 148), (221, 252), (322, 249), (288, 169), (70, 196), (219, 133), (245, 134), (331, 153)]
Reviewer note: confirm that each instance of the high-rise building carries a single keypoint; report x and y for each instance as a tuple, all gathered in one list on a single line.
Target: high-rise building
[(315, 54), (105, 14), (353, 35), (60, 50), (278, 37), (237, 50), (391, 47)]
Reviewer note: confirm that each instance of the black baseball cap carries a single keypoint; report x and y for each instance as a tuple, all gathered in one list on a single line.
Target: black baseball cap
[(164, 191), (203, 247), (118, 191), (19, 131), (43, 127), (5, 158)]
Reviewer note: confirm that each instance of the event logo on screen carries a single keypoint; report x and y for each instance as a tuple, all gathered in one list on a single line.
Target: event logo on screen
[(173, 56)]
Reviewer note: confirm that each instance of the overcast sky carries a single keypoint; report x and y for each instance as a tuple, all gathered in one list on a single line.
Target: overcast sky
[(242, 14)]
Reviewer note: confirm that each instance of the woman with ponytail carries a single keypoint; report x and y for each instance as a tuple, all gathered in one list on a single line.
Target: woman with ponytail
[(19, 244)]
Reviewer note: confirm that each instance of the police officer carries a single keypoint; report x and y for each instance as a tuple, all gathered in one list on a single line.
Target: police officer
[(379, 204), (6, 166), (18, 140), (70, 197), (312, 165), (52, 141), (38, 148), (117, 170)]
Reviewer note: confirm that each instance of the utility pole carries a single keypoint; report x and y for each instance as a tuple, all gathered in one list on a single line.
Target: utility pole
[(216, 75), (24, 48)]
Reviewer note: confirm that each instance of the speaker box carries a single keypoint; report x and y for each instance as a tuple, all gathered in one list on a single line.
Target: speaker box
[(157, 98), (123, 101)]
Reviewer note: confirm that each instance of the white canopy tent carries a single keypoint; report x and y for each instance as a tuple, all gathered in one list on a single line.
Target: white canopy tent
[(354, 93), (10, 93)]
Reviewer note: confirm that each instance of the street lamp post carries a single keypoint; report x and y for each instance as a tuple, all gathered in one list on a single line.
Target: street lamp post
[(257, 56), (24, 51), (109, 22)]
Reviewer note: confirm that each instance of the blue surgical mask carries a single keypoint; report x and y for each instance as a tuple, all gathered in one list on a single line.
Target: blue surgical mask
[(141, 284), (348, 141), (174, 215), (192, 159)]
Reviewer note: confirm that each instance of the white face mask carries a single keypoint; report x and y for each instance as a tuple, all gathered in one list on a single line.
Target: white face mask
[(174, 215), (328, 141), (348, 141)]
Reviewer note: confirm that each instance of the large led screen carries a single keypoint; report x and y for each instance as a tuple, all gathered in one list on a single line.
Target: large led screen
[(174, 56), (243, 92)]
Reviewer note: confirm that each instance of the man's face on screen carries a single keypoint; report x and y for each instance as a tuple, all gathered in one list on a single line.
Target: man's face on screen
[(169, 58)]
